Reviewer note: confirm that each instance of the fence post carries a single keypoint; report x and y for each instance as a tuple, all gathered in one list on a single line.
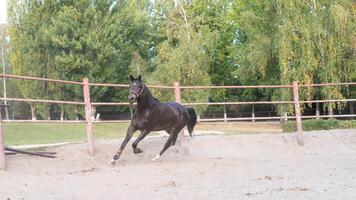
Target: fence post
[(88, 114), (317, 111), (178, 100), (298, 119), (2, 147), (225, 114)]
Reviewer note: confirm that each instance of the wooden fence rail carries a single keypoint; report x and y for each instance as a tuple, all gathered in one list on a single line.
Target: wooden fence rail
[(176, 88)]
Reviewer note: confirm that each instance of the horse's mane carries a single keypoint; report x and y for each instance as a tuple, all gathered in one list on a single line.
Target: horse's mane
[(150, 94)]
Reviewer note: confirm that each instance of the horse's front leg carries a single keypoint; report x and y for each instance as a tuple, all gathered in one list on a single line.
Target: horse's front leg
[(130, 131), (143, 134)]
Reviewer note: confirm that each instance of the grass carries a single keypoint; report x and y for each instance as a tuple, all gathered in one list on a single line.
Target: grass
[(43, 133), (320, 124)]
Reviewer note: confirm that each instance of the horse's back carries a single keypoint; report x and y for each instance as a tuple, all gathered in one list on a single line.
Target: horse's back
[(166, 115), (173, 105)]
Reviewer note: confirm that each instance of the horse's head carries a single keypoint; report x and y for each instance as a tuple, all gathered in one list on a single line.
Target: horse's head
[(136, 88)]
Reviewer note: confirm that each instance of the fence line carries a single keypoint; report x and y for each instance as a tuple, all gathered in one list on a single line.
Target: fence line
[(89, 120), (172, 87), (328, 116), (327, 84), (187, 104), (266, 102), (45, 121), (108, 85), (42, 101), (199, 120), (328, 101), (238, 103), (127, 85), (110, 104), (235, 86), (39, 79), (279, 118), (264, 86)]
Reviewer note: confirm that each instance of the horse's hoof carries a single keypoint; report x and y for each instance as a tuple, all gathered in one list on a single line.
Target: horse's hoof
[(112, 162), (156, 158), (174, 149), (137, 150)]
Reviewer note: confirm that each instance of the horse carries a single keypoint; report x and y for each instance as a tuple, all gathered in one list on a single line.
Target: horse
[(153, 115)]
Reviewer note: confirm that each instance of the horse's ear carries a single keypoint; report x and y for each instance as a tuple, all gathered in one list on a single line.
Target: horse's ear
[(132, 78), (139, 77)]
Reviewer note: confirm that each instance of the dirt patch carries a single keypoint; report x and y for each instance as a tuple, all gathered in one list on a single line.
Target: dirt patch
[(257, 166), (241, 127)]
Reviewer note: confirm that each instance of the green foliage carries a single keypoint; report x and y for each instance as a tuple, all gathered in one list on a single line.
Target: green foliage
[(74, 39), (181, 56), (288, 40), (320, 124), (242, 42)]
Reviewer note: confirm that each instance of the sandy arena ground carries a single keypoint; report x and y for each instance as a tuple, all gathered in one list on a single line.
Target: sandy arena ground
[(250, 166)]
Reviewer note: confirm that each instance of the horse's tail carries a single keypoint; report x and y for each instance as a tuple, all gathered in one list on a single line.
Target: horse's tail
[(191, 121)]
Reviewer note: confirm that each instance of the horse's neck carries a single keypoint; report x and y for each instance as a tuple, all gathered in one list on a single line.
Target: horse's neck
[(147, 101)]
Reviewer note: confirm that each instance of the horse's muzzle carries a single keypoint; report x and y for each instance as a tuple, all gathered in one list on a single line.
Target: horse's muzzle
[(131, 98)]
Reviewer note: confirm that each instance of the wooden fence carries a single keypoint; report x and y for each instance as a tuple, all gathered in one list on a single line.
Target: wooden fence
[(176, 88)]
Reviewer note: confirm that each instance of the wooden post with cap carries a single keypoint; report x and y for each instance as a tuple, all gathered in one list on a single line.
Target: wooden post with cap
[(88, 116), (298, 118), (178, 100), (2, 147)]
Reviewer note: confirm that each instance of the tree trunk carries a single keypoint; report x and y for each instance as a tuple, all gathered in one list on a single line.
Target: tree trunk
[(33, 112)]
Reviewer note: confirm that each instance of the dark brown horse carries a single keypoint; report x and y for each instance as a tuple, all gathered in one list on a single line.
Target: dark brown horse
[(152, 115)]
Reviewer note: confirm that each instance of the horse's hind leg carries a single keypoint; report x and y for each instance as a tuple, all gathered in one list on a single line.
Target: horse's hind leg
[(174, 134), (174, 140), (143, 134), (173, 143)]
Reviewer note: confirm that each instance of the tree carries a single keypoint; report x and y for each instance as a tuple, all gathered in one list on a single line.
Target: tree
[(74, 39), (296, 40), (4, 42), (28, 55), (182, 55)]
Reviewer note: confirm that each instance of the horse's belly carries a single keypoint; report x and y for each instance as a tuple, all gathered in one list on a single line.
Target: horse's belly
[(164, 118), (167, 121)]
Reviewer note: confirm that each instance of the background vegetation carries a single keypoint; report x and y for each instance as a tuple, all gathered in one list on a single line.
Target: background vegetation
[(230, 42), (320, 124)]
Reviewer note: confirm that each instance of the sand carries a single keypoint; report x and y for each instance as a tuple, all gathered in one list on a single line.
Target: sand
[(248, 166)]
